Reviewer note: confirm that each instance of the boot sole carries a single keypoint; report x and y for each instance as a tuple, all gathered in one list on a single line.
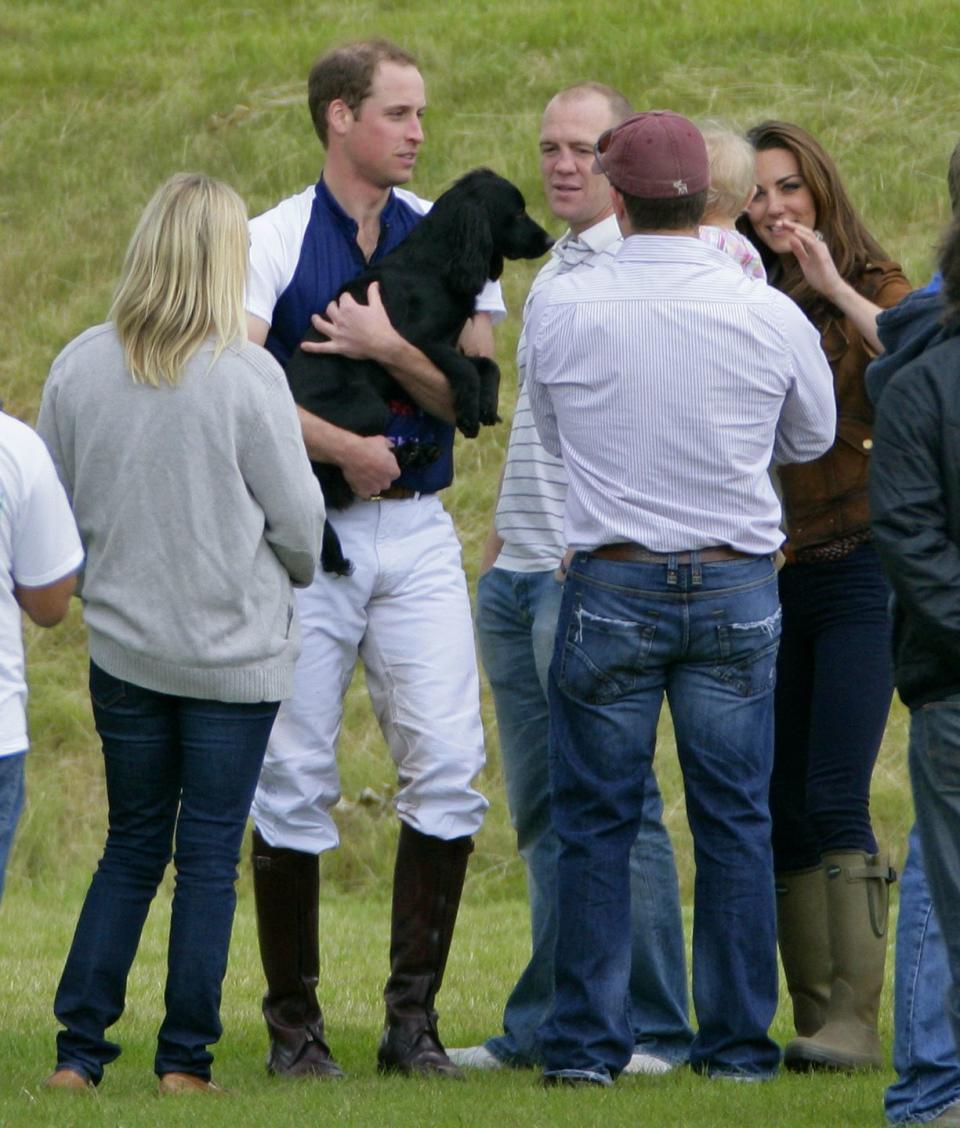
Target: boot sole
[(453, 1073), (810, 1060)]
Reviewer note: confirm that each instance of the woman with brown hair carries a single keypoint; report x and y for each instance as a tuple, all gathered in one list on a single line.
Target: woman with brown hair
[(834, 670)]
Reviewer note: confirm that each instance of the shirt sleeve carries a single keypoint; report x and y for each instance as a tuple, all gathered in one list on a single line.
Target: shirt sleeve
[(808, 418), (46, 544), (538, 368), (270, 270), (277, 472), (490, 300)]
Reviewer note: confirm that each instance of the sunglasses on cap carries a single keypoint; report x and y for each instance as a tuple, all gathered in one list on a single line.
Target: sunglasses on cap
[(601, 146)]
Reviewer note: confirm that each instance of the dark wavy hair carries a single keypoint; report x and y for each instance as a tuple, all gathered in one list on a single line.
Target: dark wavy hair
[(847, 238), (949, 262)]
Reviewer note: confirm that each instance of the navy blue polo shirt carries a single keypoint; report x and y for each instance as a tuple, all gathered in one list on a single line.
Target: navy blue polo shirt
[(329, 257)]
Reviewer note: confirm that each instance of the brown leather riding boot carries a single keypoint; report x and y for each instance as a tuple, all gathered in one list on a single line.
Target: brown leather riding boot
[(286, 885), (427, 883)]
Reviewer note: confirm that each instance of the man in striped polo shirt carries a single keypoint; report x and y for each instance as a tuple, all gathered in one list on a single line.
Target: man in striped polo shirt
[(518, 598), (668, 381)]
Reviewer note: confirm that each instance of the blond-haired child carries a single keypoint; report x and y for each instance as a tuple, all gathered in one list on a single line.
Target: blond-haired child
[(732, 185)]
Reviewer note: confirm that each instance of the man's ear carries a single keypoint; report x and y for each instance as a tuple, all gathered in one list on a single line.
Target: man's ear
[(339, 117), (620, 211)]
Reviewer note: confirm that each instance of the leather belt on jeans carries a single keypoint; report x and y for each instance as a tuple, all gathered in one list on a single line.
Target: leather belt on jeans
[(640, 555), (395, 493)]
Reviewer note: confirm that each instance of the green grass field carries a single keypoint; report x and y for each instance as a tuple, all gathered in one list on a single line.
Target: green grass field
[(100, 100)]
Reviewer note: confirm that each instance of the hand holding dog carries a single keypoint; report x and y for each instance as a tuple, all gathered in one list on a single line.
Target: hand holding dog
[(369, 465), (360, 332), (365, 332)]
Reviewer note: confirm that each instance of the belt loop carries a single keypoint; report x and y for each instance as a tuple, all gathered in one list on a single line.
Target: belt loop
[(672, 569), (696, 576)]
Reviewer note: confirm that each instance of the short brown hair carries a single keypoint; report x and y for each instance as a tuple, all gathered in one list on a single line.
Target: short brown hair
[(347, 73), (619, 104), (671, 213)]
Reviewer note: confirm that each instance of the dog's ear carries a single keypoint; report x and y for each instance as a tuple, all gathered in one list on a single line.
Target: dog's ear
[(471, 249)]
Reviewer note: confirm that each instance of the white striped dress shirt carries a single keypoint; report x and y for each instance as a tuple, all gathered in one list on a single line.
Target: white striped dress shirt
[(668, 382), (529, 516)]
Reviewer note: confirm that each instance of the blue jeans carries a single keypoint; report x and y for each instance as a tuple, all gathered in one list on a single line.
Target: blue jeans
[(935, 775), (516, 628), (180, 776), (11, 804), (704, 635), (829, 725), (924, 1049)]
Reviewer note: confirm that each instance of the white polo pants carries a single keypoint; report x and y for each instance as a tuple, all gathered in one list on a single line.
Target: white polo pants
[(406, 612)]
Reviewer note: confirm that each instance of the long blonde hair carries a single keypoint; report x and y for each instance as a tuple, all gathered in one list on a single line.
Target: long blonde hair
[(183, 277)]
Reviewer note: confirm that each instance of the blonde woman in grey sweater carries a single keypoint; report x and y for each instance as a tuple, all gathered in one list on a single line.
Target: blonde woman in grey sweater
[(179, 446)]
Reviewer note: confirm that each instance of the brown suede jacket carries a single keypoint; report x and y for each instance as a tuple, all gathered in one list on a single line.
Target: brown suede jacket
[(826, 499)]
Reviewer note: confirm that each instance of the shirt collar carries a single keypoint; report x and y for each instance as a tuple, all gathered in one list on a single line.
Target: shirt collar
[(346, 222), (598, 237)]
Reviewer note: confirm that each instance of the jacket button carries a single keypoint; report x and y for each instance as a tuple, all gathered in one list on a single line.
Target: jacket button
[(868, 444)]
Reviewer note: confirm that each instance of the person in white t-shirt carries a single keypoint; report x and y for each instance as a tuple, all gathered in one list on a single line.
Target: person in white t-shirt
[(40, 553)]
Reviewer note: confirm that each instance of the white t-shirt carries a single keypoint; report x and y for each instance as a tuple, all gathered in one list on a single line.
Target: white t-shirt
[(39, 545)]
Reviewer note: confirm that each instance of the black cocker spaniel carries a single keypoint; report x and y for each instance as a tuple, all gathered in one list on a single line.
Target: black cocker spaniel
[(429, 286)]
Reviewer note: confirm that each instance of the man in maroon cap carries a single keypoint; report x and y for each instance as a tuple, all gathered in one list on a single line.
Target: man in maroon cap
[(668, 382)]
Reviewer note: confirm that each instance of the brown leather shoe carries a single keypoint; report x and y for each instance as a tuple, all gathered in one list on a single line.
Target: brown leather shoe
[(176, 1083), (67, 1080)]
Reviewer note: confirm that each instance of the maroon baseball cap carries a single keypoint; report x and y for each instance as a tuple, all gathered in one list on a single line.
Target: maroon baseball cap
[(654, 155)]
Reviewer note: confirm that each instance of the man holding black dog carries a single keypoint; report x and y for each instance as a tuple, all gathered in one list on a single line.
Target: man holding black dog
[(405, 611), (668, 381)]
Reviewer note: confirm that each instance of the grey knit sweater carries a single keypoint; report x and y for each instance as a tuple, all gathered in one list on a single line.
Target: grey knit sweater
[(197, 508)]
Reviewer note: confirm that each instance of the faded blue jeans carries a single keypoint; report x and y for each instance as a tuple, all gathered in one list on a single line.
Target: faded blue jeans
[(180, 774), (924, 1049), (516, 627), (11, 804), (705, 636)]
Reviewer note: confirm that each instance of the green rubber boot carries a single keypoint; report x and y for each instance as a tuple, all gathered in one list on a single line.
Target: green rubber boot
[(857, 904), (805, 945)]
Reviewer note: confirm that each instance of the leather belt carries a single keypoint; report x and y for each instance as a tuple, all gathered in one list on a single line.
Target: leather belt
[(395, 493), (640, 555)]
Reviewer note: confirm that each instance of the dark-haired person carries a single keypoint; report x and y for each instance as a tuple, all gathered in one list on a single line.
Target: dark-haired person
[(832, 878), (671, 591), (924, 1044), (405, 612), (178, 444), (40, 553)]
